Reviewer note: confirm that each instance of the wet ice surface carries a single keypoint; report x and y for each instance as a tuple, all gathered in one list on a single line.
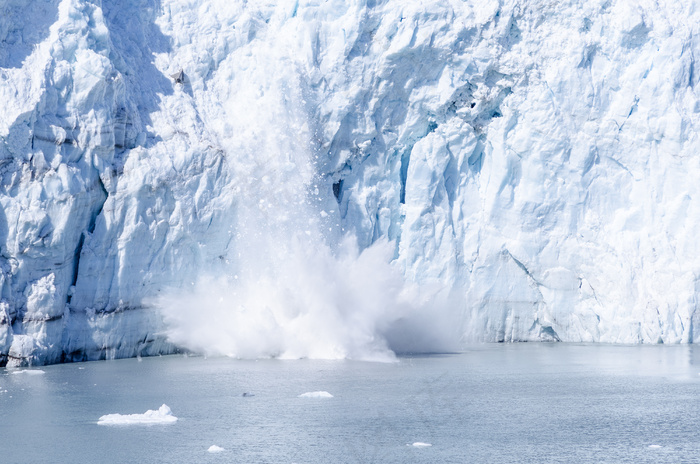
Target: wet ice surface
[(527, 403)]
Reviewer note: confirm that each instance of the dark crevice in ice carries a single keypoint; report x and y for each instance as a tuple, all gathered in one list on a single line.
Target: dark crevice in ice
[(403, 175), (522, 266), (93, 218), (406, 159), (338, 190), (76, 264), (90, 229), (548, 332)]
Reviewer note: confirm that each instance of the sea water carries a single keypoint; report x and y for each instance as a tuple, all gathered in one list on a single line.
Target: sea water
[(513, 403)]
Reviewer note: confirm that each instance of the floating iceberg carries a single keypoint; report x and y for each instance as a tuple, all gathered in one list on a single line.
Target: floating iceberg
[(29, 372), (215, 449), (316, 394), (420, 444), (161, 416)]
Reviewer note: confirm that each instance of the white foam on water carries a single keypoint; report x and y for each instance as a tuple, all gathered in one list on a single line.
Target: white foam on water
[(316, 394), (420, 444), (161, 416), (29, 372)]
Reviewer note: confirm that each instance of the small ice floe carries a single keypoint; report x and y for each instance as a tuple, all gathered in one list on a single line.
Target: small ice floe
[(162, 416), (420, 444), (29, 372), (318, 394), (654, 446), (215, 449)]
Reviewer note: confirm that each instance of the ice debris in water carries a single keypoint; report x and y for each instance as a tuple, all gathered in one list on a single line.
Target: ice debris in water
[(162, 416), (654, 446), (215, 449), (29, 372), (420, 444), (318, 394)]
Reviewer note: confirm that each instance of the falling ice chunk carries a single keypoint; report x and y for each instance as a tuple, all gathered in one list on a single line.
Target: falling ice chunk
[(178, 77)]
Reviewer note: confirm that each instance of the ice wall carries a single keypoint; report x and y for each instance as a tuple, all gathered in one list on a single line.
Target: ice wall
[(533, 160)]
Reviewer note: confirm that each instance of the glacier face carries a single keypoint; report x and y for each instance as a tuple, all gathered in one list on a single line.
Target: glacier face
[(530, 163)]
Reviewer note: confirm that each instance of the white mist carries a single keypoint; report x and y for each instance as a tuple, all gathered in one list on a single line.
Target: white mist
[(295, 285)]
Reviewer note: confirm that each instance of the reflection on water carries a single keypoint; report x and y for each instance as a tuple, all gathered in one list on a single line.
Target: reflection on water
[(523, 403)]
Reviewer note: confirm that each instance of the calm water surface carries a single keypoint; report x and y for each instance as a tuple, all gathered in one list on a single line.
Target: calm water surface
[(523, 403)]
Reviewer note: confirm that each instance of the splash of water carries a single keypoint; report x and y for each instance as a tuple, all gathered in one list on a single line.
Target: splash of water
[(312, 303), (297, 285)]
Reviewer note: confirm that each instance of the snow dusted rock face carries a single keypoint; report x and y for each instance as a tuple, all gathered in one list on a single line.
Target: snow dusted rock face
[(534, 160)]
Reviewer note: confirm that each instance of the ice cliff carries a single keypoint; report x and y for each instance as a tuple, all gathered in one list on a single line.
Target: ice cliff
[(533, 166)]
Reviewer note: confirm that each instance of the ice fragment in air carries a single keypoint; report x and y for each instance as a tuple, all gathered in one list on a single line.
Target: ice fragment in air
[(178, 77)]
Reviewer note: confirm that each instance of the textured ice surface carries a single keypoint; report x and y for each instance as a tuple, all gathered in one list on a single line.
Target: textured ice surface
[(316, 394), (161, 416), (530, 166)]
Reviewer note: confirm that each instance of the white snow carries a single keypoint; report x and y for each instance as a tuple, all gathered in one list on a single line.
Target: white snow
[(161, 416), (29, 372), (377, 175), (316, 394), (215, 449)]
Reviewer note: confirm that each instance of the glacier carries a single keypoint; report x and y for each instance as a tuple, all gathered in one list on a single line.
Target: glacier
[(345, 178)]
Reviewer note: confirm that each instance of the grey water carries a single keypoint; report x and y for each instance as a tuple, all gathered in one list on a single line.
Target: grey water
[(512, 403)]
